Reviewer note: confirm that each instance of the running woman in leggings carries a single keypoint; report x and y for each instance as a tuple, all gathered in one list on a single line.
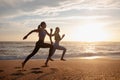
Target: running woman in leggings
[(40, 43), (56, 45)]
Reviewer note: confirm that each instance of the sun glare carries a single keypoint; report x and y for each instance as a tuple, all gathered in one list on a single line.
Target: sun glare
[(91, 33), (92, 57)]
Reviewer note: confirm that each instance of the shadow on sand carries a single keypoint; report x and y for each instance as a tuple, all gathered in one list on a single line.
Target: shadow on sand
[(19, 73), (52, 71), (1, 71)]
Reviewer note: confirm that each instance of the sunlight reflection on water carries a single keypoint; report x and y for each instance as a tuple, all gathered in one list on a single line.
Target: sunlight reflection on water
[(91, 57), (90, 48)]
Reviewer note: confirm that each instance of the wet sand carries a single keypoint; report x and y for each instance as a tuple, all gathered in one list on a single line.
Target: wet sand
[(72, 69)]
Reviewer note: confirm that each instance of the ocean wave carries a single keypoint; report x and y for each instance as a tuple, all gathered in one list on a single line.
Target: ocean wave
[(44, 56), (20, 50)]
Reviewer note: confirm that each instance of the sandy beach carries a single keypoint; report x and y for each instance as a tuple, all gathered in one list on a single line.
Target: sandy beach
[(72, 69)]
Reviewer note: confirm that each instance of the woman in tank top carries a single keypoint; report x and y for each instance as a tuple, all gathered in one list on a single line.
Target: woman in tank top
[(56, 45), (40, 43)]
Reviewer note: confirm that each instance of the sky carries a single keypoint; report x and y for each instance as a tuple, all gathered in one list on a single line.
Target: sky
[(79, 20)]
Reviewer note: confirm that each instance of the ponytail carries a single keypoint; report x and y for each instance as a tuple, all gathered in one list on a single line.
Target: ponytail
[(38, 26), (42, 23)]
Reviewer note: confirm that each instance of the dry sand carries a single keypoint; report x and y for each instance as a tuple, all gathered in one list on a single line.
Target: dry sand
[(76, 69)]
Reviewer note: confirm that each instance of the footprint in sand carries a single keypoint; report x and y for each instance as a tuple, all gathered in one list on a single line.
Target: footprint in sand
[(1, 71), (2, 77), (54, 69), (21, 73), (21, 70), (17, 74), (51, 72), (17, 67), (36, 70)]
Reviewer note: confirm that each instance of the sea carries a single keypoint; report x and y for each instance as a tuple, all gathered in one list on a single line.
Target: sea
[(20, 50)]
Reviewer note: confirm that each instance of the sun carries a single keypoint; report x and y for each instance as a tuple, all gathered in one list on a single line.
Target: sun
[(91, 32)]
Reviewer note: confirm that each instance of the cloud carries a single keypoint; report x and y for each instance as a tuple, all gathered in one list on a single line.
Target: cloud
[(22, 7), (77, 5), (13, 8)]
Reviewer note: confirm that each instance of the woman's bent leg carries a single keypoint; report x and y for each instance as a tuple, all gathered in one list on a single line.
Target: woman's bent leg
[(46, 45), (63, 54), (51, 51), (64, 50)]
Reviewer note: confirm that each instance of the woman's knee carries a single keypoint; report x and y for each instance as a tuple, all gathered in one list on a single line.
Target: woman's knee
[(51, 46), (65, 49)]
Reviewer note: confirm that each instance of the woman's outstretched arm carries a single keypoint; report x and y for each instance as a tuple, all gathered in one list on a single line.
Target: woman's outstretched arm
[(25, 37)]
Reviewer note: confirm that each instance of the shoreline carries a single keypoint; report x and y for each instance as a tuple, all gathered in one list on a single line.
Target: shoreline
[(82, 57)]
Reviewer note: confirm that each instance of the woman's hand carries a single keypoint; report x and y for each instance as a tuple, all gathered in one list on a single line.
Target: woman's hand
[(63, 35), (51, 30), (25, 37)]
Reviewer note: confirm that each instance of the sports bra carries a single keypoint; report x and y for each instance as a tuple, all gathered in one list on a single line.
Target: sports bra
[(57, 37), (42, 35)]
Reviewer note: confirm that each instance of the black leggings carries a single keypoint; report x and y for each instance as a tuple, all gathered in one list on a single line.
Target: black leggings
[(39, 44)]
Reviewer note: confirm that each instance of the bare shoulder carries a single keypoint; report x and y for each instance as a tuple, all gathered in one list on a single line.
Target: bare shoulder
[(40, 29), (45, 30), (35, 30)]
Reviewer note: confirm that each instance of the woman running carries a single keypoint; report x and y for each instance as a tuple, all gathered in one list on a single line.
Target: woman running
[(40, 43), (56, 45)]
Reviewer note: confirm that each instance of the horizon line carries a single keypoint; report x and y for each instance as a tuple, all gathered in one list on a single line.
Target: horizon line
[(62, 41)]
